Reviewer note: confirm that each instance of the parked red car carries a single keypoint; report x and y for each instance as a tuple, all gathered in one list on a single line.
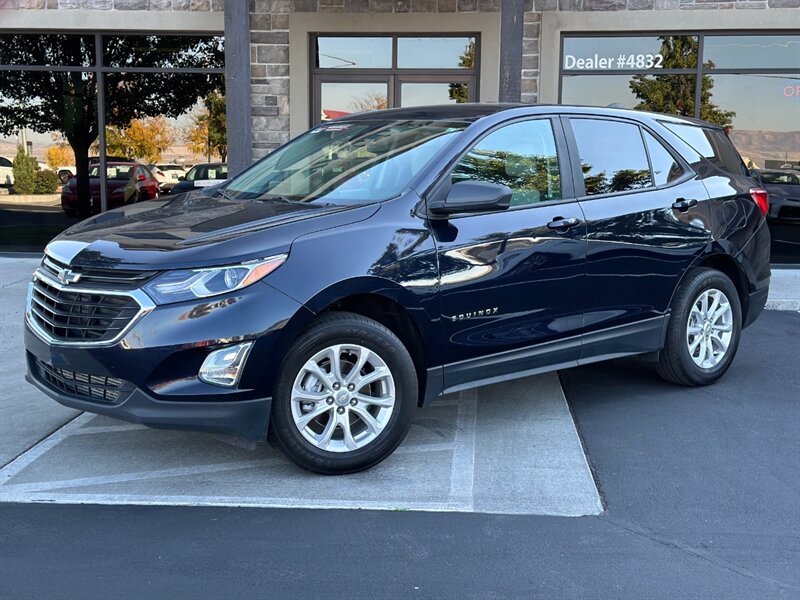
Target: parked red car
[(126, 183)]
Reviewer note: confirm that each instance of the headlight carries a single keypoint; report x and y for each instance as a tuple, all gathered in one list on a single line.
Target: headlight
[(177, 286)]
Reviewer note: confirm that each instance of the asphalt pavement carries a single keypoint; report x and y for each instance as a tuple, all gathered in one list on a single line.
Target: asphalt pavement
[(701, 490)]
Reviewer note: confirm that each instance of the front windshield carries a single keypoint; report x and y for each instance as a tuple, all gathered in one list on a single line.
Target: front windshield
[(348, 162)]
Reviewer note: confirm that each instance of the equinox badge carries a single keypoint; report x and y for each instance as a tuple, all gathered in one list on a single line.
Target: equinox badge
[(484, 312)]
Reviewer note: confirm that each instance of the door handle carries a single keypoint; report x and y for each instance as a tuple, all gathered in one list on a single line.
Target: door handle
[(683, 204), (562, 224)]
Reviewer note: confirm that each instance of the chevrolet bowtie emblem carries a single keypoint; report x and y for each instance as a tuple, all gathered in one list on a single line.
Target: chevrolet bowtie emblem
[(66, 276)]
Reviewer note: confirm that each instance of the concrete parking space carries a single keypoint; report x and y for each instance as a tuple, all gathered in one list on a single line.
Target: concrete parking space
[(508, 448)]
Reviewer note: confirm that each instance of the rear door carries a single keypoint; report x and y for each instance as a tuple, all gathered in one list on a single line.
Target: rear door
[(647, 216), (511, 282)]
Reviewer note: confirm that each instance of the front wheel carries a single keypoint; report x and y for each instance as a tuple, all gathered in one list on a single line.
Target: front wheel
[(345, 395), (704, 329)]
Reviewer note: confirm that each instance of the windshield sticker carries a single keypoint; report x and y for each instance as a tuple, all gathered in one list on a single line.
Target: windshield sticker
[(336, 127)]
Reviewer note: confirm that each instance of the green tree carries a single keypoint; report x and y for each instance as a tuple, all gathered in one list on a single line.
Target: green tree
[(208, 131), (24, 169), (459, 91), (66, 102), (675, 94)]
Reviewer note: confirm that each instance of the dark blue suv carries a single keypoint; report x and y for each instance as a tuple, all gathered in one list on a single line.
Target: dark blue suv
[(381, 260)]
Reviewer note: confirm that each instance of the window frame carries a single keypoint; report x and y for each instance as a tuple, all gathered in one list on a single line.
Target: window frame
[(443, 183), (577, 174), (393, 76)]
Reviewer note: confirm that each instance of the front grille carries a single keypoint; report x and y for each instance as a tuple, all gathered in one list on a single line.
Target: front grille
[(117, 279), (81, 385), (80, 316)]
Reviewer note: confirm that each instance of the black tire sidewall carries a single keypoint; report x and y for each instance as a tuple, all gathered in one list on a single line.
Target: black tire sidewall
[(702, 281), (345, 328)]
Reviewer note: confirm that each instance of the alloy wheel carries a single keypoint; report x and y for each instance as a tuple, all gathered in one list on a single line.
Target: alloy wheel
[(709, 329), (343, 398)]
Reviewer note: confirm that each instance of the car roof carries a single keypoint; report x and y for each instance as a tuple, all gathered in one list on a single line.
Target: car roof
[(477, 110)]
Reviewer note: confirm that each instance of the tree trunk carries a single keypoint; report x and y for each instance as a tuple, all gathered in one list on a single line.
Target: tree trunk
[(82, 174)]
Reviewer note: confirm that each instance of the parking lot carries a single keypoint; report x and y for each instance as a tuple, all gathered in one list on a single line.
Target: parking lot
[(699, 491), (509, 448)]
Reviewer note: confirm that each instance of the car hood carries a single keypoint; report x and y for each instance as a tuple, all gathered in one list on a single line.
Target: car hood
[(195, 230)]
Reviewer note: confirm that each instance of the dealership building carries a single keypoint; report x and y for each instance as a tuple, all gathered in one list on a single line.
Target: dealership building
[(289, 64)]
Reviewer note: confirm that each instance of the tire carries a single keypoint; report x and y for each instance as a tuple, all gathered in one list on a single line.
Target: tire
[(695, 352), (310, 419)]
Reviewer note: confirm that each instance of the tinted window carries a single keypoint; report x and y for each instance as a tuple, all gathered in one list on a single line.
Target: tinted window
[(521, 156), (4, 162), (711, 143), (665, 167), (780, 178), (612, 156)]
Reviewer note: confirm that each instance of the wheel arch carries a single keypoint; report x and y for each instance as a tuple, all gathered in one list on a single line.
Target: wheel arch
[(389, 304), (716, 258)]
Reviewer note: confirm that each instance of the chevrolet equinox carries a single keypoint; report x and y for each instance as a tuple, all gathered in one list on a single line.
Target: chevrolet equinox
[(386, 258)]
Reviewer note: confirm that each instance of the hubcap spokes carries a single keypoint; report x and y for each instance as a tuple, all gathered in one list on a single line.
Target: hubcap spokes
[(342, 398), (709, 329)]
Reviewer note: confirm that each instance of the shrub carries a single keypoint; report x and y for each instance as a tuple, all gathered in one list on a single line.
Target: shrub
[(24, 169), (47, 182)]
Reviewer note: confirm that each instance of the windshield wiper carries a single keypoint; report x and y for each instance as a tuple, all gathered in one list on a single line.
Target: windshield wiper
[(275, 198)]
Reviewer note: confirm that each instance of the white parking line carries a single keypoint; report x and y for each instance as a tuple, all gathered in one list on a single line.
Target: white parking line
[(26, 458)]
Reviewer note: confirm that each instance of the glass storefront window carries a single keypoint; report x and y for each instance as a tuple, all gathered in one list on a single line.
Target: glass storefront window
[(163, 114), (765, 112), (627, 53), (358, 73), (354, 52), (673, 93), (164, 51), (51, 50), (752, 51), (422, 94), (436, 52), (343, 98)]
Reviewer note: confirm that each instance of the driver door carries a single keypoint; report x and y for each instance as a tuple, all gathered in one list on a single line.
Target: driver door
[(512, 281)]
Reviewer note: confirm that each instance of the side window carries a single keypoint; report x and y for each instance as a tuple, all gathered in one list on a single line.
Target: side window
[(665, 167), (4, 162), (710, 143), (612, 156), (522, 156)]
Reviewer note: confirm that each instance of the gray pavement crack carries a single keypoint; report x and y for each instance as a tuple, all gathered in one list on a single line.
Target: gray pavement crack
[(698, 553)]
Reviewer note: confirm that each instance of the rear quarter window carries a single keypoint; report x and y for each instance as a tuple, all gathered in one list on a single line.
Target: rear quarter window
[(712, 144)]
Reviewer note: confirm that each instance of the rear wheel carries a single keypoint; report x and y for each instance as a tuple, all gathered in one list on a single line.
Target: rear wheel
[(704, 329), (345, 395)]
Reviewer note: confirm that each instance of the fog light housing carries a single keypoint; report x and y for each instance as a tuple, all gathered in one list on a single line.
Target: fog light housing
[(224, 366)]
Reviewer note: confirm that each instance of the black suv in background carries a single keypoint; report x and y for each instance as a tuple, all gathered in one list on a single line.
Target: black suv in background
[(381, 260), (783, 187)]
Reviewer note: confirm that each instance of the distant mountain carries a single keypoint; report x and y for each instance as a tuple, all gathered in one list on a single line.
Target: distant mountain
[(760, 146)]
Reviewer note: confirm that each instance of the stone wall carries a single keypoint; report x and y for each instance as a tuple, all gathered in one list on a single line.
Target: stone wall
[(176, 5)]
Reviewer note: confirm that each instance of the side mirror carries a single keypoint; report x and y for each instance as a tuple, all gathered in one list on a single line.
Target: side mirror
[(181, 178), (141, 178), (471, 197)]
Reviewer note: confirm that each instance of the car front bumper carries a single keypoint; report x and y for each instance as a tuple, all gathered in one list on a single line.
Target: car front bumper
[(154, 366)]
